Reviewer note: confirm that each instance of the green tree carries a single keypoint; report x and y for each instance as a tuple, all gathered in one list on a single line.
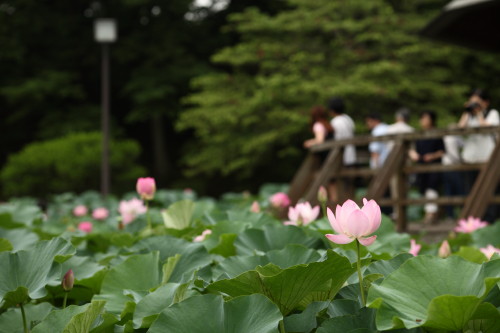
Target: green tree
[(250, 117)]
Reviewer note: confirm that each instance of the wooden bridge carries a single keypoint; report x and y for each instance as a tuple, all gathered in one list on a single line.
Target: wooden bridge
[(312, 174)]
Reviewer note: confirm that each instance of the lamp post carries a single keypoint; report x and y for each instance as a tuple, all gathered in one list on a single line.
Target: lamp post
[(105, 33)]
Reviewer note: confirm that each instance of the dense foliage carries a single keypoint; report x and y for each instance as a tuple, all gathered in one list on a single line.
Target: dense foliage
[(69, 163), (250, 273), (256, 109)]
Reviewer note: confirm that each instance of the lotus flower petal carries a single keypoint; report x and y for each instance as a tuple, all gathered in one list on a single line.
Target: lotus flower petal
[(367, 241), (339, 239), (358, 224)]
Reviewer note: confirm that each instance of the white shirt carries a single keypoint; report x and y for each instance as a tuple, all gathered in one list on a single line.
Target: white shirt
[(452, 145), (478, 147), (343, 128), (378, 147)]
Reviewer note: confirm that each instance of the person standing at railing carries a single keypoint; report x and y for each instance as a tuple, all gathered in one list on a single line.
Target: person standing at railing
[(478, 147), (320, 126), (402, 117), (343, 128), (378, 149), (452, 180), (428, 151)]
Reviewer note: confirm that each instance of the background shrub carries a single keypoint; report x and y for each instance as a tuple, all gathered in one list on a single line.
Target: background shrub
[(69, 163)]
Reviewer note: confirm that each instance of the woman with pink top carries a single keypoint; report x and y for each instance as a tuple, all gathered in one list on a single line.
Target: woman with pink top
[(320, 126)]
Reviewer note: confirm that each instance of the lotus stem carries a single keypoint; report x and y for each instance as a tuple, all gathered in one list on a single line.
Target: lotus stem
[(148, 218), (65, 299), (360, 276), (25, 325), (323, 209), (282, 326)]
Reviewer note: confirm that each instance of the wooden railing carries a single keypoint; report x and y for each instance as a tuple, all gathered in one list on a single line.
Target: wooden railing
[(312, 174)]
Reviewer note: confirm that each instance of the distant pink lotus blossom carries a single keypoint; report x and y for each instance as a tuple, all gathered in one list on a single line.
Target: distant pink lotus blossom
[(414, 248), (203, 235), (280, 200), (80, 211), (255, 208), (85, 226), (470, 225), (100, 213), (489, 251), (130, 209), (302, 214), (444, 250), (146, 187), (351, 222), (322, 194), (188, 191)]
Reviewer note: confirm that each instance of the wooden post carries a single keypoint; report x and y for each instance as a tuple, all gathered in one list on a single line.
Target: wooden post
[(330, 167), (303, 177)]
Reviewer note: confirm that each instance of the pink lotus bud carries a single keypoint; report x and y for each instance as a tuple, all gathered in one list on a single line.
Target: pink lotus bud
[(414, 248), (322, 194), (146, 187), (255, 207), (80, 211), (85, 226), (280, 200), (444, 250), (100, 213), (68, 280), (203, 235), (470, 225), (489, 251), (351, 222)]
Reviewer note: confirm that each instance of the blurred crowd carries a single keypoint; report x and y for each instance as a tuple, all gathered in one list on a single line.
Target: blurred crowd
[(333, 123)]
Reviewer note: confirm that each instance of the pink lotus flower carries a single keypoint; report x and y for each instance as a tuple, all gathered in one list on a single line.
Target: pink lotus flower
[(68, 280), (130, 209), (100, 213), (489, 251), (352, 222), (280, 200), (85, 226), (444, 250), (80, 211), (414, 248), (322, 194), (255, 208), (470, 225), (203, 235), (146, 187), (302, 213)]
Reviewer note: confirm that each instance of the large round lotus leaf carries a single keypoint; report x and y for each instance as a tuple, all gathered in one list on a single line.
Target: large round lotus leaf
[(193, 256), (11, 320), (487, 236), (294, 287), (137, 274), (26, 273), (20, 239), (73, 319), (432, 292), (210, 314), (272, 237)]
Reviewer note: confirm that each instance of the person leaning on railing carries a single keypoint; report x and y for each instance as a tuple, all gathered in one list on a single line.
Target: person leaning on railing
[(478, 147)]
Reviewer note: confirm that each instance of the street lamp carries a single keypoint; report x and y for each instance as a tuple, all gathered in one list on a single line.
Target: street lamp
[(105, 33)]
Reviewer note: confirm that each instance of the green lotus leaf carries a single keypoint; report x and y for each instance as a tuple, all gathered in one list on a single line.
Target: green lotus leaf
[(73, 319), (21, 239), (11, 321), (5, 245), (305, 321), (193, 256), (272, 237), (148, 308), (138, 273), (343, 307), (295, 286), (486, 319), (432, 292), (362, 322), (489, 235), (19, 214), (179, 214), (26, 273), (471, 254), (210, 314), (225, 245)]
